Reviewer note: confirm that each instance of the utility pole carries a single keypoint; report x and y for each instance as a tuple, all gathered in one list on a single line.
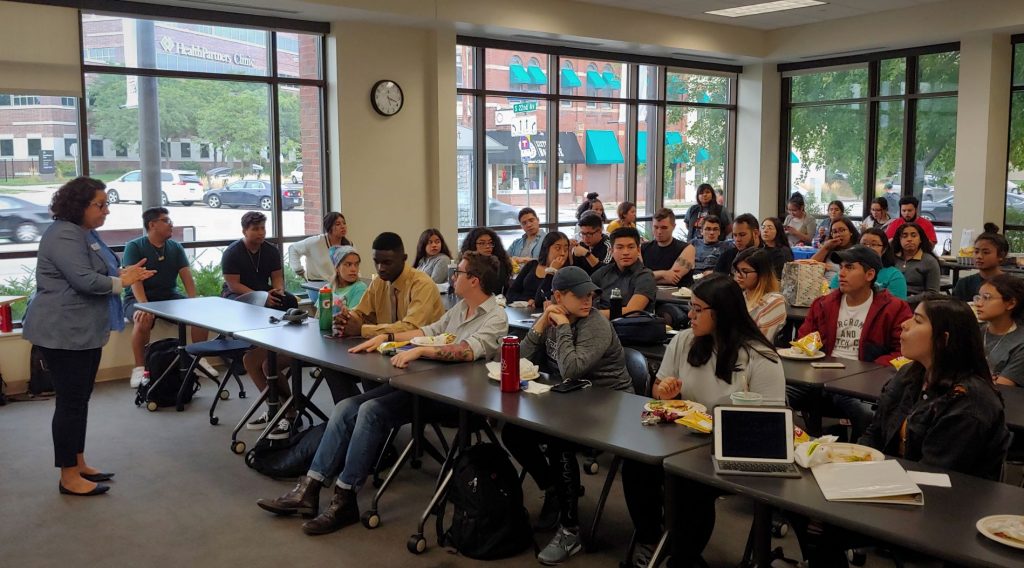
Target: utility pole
[(149, 117)]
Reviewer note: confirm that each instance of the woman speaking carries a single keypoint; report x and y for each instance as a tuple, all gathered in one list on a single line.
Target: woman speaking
[(76, 304)]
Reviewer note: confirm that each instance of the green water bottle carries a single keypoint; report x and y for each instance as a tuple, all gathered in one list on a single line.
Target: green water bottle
[(323, 307)]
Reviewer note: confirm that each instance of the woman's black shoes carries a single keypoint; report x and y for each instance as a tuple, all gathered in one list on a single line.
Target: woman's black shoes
[(96, 477), (98, 490)]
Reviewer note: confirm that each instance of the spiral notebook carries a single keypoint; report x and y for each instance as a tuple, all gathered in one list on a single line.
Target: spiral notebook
[(867, 482)]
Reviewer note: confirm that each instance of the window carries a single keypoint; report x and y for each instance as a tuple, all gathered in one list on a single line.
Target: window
[(67, 101), (96, 148), (24, 100), (847, 129), (1015, 161), (6, 148), (548, 149), (204, 151), (34, 145), (186, 149), (70, 147)]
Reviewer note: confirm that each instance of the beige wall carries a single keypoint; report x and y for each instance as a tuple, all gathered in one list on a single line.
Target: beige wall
[(33, 62)]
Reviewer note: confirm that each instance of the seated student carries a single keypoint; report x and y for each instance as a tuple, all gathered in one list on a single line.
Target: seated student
[(855, 322), (317, 249), (527, 247), (359, 425), (701, 255), (626, 273), (775, 242), (799, 226), (990, 251), (592, 203), (167, 257), (889, 277), (746, 233), (346, 288), (707, 206), (917, 262), (571, 340), (843, 235), (660, 254), (879, 217), (535, 275), (940, 410), (723, 352), (486, 241), (908, 214), (627, 217), (754, 273), (836, 211), (1000, 305), (593, 249), (432, 256)]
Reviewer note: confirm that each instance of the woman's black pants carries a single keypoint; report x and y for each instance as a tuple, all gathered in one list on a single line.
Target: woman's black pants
[(74, 374)]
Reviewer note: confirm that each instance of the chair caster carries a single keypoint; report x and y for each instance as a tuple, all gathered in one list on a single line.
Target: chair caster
[(238, 447), (591, 467), (856, 557), (779, 529), (214, 420), (224, 395), (370, 519), (241, 394), (416, 544), (151, 406)]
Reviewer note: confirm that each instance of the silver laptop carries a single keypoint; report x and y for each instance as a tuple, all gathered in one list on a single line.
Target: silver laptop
[(754, 440)]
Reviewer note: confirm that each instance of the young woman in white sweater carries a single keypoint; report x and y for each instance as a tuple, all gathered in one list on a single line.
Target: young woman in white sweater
[(317, 249)]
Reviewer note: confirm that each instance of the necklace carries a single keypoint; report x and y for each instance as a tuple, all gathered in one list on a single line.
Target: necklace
[(1013, 328), (255, 263), (159, 251)]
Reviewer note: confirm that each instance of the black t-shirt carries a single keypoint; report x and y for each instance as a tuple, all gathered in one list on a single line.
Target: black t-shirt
[(602, 251), (253, 270), (657, 257)]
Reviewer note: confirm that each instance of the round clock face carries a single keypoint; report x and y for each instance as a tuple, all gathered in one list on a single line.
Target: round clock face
[(386, 97)]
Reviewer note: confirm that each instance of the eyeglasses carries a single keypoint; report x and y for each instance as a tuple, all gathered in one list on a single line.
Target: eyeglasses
[(589, 234), (982, 298), (101, 205), (873, 245), (743, 273), (698, 310), (485, 244), (839, 231), (467, 273), (166, 220)]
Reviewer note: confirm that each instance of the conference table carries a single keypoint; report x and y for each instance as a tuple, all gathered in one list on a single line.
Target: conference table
[(944, 527)]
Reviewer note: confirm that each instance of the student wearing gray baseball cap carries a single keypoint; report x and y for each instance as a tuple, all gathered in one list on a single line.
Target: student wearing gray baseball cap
[(571, 340)]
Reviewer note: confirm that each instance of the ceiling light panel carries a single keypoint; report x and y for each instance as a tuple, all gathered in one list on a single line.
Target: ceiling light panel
[(764, 8)]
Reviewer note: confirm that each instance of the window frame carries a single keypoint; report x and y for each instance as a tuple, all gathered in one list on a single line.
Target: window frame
[(1015, 41)]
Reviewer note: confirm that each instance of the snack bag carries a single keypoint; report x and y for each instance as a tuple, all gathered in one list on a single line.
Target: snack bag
[(697, 421), (809, 344), (799, 436), (388, 346), (899, 362)]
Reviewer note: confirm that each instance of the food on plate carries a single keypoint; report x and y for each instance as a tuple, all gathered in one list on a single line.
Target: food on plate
[(809, 344), (1010, 528), (434, 341), (672, 410)]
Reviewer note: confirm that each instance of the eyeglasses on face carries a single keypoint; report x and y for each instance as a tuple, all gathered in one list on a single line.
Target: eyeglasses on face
[(101, 205), (982, 298), (589, 234), (743, 272), (698, 310), (485, 244)]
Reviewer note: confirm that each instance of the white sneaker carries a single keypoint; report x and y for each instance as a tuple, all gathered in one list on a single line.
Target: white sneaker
[(137, 374), (209, 368), (281, 431), (258, 423)]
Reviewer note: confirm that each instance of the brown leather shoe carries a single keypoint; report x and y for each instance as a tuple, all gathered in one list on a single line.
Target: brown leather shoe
[(343, 511), (304, 498)]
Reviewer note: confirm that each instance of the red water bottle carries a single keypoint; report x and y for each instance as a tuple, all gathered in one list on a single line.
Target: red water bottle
[(7, 321), (510, 364)]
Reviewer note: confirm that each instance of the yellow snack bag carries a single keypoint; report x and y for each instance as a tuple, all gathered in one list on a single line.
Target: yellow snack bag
[(810, 344), (696, 420), (899, 362), (799, 436), (383, 348)]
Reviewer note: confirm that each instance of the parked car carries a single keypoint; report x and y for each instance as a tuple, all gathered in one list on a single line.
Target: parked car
[(21, 221), (248, 193), (942, 210), (176, 186), (297, 174), (500, 213)]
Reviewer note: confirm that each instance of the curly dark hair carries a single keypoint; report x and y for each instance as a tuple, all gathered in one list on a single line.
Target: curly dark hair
[(73, 198), (469, 244)]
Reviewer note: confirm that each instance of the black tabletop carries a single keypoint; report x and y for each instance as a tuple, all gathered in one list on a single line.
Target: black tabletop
[(944, 527), (214, 313), (307, 342), (865, 386), (521, 318), (802, 373), (599, 418)]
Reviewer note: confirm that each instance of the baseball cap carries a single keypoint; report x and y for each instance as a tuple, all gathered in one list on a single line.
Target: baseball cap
[(574, 279), (858, 253), (339, 253)]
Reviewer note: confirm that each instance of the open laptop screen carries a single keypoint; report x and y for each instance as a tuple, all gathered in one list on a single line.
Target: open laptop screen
[(751, 434)]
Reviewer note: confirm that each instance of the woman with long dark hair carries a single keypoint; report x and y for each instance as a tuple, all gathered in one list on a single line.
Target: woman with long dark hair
[(836, 210), (844, 235), (533, 283), (486, 241), (317, 249), (889, 277), (1000, 304), (799, 226), (754, 272), (707, 205), (774, 238), (723, 352), (915, 259), (432, 255)]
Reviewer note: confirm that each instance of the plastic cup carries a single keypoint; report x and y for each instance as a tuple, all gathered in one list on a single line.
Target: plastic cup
[(746, 398)]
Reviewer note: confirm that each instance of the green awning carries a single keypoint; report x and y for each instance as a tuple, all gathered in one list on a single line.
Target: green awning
[(703, 155), (792, 158), (518, 74), (674, 152), (676, 86), (603, 148), (641, 147), (595, 80), (611, 80), (570, 80), (537, 75), (671, 139)]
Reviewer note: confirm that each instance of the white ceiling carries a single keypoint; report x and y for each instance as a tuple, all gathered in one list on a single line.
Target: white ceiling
[(695, 9)]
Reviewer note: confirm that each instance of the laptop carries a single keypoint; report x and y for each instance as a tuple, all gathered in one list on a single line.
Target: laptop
[(754, 440)]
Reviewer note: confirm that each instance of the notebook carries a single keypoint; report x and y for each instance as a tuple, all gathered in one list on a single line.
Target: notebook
[(754, 440), (867, 482)]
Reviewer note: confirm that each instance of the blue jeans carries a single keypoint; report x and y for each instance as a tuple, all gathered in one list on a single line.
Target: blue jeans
[(355, 433)]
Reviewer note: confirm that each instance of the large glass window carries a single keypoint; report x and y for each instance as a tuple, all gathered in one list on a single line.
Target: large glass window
[(559, 126), (848, 130), (1015, 162)]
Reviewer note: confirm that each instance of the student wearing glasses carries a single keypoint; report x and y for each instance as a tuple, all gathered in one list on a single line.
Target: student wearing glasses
[(879, 217), (722, 352), (593, 249), (799, 226), (753, 272), (533, 283), (486, 241), (1000, 304), (842, 235), (889, 277)]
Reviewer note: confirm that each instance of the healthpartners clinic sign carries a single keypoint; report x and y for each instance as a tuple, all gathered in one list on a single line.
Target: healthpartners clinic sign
[(200, 52)]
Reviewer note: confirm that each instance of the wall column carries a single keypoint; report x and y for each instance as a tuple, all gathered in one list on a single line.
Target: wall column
[(757, 141)]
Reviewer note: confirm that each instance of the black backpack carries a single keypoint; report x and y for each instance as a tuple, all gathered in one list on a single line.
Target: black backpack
[(40, 380), (284, 459), (165, 377), (489, 520), (640, 328)]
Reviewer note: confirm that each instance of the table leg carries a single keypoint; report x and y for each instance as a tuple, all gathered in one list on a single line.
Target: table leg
[(762, 534), (813, 414)]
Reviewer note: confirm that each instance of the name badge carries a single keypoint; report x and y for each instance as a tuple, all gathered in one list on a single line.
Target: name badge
[(95, 246)]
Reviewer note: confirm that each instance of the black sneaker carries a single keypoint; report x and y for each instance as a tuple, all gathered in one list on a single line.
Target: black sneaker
[(281, 431)]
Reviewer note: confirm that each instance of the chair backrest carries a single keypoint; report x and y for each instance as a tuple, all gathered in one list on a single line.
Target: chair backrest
[(254, 298), (636, 366)]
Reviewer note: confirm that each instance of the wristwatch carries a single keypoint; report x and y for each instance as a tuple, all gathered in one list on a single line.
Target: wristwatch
[(391, 337)]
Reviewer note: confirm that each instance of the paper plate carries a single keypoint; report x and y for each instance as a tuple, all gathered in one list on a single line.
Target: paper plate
[(992, 526), (790, 353), (683, 292), (843, 452), (433, 341), (529, 377)]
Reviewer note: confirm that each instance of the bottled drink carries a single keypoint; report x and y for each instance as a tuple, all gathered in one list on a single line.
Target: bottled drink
[(452, 267), (510, 364), (615, 299), (145, 378), (6, 319), (323, 308)]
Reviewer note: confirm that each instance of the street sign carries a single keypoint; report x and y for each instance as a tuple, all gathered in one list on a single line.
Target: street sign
[(524, 125), (528, 106), (503, 117)]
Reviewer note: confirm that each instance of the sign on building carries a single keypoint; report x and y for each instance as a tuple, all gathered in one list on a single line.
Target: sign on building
[(46, 162)]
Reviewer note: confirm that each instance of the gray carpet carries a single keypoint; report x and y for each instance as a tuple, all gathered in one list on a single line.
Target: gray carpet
[(181, 498)]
